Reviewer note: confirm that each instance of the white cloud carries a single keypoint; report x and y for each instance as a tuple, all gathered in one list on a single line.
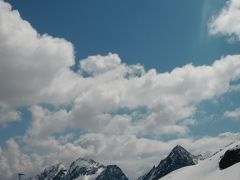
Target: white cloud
[(45, 122), (170, 99), (235, 114), (8, 115), (94, 65), (30, 62), (227, 22), (13, 161)]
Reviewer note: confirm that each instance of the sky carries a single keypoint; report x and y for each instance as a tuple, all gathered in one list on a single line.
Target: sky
[(121, 82)]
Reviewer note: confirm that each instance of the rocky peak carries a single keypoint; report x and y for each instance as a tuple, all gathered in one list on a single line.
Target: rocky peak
[(180, 155), (83, 166), (112, 172), (54, 172), (178, 158)]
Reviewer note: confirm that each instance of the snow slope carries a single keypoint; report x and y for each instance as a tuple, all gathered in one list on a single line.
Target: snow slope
[(208, 169)]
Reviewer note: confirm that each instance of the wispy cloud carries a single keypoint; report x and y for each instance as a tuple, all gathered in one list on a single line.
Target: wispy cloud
[(235, 114)]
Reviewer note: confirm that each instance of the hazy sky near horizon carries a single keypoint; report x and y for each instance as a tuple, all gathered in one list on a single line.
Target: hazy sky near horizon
[(119, 81)]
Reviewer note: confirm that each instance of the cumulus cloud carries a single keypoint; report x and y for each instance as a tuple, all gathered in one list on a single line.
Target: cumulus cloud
[(235, 114), (29, 62), (8, 115), (94, 65), (45, 122), (227, 21), (170, 100), (14, 161)]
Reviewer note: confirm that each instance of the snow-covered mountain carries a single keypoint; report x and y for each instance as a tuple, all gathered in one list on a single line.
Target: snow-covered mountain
[(178, 158), (224, 165), (178, 165), (81, 169), (55, 172)]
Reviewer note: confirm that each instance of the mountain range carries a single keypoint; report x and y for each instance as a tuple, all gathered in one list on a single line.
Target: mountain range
[(81, 169), (178, 165)]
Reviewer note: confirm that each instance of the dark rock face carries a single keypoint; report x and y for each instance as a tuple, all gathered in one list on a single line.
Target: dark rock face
[(230, 158), (178, 158), (112, 172)]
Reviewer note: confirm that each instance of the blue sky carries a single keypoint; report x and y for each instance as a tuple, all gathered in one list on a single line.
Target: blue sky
[(158, 72), (158, 34)]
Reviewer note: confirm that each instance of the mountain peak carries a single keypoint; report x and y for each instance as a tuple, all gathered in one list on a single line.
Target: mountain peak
[(85, 160), (112, 172), (224, 164), (53, 172), (179, 149), (83, 166), (178, 158)]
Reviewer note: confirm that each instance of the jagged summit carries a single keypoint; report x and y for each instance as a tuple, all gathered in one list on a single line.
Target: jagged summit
[(81, 169), (84, 162), (87, 160), (179, 153), (112, 172), (54, 172), (178, 158), (178, 148), (84, 166)]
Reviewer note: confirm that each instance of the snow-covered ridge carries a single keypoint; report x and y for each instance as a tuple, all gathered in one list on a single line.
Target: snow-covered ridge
[(81, 169), (84, 167), (209, 169), (178, 165), (54, 172)]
